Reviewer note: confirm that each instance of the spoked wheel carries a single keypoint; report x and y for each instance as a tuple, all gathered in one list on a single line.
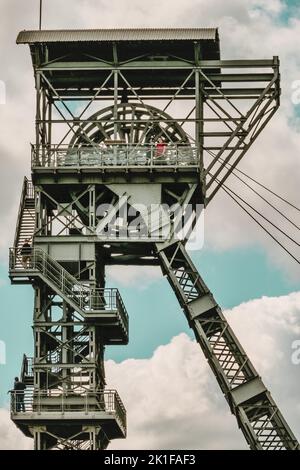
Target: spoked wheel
[(135, 124)]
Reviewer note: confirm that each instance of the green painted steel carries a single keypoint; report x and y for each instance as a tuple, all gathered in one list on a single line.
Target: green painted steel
[(93, 165)]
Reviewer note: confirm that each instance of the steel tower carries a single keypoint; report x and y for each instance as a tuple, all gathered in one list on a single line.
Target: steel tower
[(110, 168)]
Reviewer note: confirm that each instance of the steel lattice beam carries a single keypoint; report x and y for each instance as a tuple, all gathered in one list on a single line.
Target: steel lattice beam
[(257, 414)]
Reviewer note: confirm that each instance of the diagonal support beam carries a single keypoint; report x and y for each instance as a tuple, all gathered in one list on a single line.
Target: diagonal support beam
[(246, 394)]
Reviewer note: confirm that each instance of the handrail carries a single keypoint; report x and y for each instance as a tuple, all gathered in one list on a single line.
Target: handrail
[(85, 298), (54, 400), (127, 155)]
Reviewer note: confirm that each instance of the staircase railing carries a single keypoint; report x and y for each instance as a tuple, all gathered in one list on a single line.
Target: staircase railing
[(26, 369), (27, 192), (82, 297)]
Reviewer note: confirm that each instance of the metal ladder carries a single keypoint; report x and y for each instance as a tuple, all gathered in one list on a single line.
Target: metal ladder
[(257, 414)]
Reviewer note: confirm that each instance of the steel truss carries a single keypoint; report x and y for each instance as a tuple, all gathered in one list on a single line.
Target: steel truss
[(72, 323), (85, 155), (230, 102)]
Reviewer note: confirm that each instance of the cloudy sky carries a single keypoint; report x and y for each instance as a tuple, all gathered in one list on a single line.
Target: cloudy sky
[(250, 276)]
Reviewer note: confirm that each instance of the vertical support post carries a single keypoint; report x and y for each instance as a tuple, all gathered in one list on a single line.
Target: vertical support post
[(92, 208), (116, 81), (37, 440), (38, 112), (38, 209), (36, 335), (199, 126), (49, 143), (43, 125), (64, 351)]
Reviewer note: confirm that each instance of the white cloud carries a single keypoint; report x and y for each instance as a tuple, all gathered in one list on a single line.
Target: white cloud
[(10, 437), (139, 276), (172, 399)]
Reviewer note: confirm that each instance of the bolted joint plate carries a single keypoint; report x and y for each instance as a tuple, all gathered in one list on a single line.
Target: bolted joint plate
[(247, 391), (201, 305)]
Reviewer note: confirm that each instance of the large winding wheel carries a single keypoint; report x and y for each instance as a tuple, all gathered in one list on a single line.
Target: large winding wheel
[(134, 123)]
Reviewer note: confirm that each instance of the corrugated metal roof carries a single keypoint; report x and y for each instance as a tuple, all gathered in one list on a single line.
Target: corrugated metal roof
[(95, 35)]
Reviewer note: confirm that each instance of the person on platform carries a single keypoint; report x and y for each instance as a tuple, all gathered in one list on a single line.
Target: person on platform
[(26, 252), (160, 149), (18, 391)]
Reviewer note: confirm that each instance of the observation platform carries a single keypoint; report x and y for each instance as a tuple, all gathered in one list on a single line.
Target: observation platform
[(115, 163), (61, 412)]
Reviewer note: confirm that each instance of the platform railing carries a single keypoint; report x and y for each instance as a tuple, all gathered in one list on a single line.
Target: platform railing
[(84, 297), (56, 401), (114, 155)]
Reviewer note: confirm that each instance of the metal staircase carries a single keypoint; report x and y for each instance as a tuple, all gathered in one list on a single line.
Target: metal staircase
[(86, 300), (26, 217), (26, 374), (257, 414)]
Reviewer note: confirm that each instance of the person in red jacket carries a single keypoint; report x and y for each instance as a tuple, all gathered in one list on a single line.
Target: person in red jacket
[(160, 148)]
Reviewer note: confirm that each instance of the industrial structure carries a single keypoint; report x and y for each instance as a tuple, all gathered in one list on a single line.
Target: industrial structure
[(131, 125)]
